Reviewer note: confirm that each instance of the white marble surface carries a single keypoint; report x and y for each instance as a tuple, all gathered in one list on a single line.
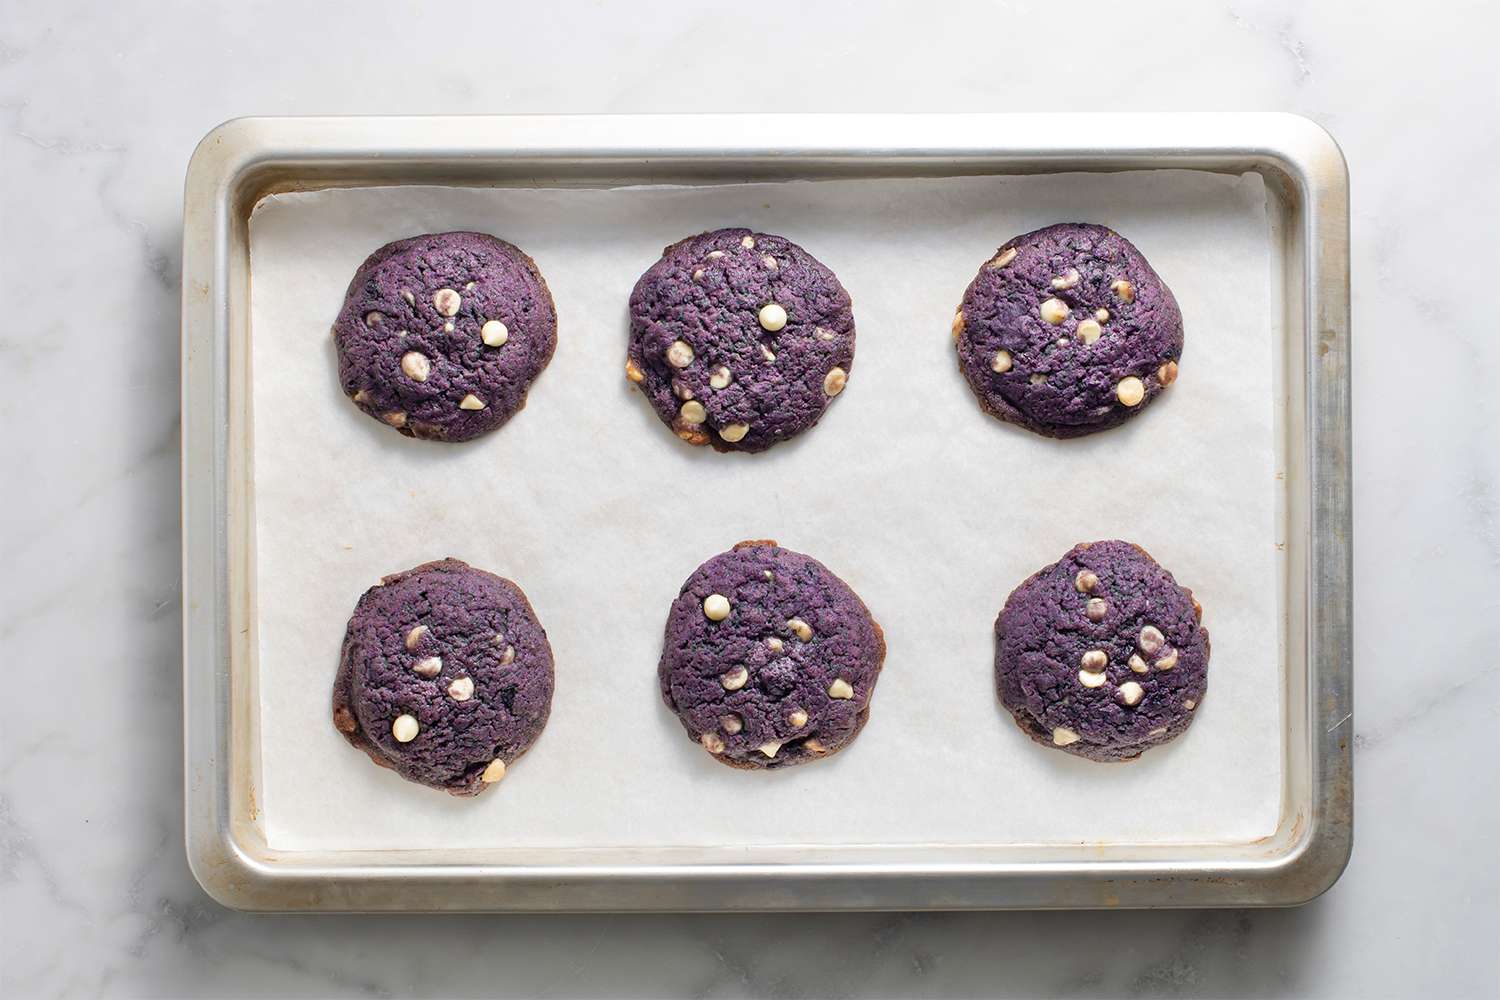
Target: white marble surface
[(100, 106)]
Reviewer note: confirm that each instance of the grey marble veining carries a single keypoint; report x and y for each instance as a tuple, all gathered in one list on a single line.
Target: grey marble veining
[(100, 106)]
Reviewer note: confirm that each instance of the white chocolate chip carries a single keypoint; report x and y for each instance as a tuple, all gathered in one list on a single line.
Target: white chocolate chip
[(748, 242), (772, 317), (767, 353), (396, 418), (799, 628), (1096, 609), (461, 688), (834, 381), (361, 396), (1053, 311), (1003, 257), (1063, 736), (1063, 341), (840, 689), (958, 324), (734, 432), (720, 378), (1124, 289), (447, 301), (814, 746), (731, 723), (797, 718), (772, 747), (1101, 315), (1094, 661), (711, 742), (493, 771), (633, 371), (770, 262), (1130, 391), (374, 316), (1068, 279), (824, 334), (679, 354), (1037, 378), (1151, 639), (469, 287), (1158, 731), (1137, 664), (692, 412), (698, 274), (509, 656), (1190, 704), (416, 366), (471, 402), (1091, 680), (1167, 660), (735, 679), (430, 666), (1085, 581), (680, 389), (1167, 373), (1131, 693), (715, 254), (716, 607), (494, 333), (411, 299), (1088, 331), (497, 638), (415, 636), (768, 575), (405, 728), (448, 327), (1002, 362)]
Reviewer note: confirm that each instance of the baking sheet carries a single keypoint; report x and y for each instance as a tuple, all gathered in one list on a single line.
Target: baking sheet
[(931, 510)]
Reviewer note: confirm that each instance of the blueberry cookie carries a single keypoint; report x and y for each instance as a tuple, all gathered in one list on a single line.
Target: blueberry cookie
[(739, 339), (1102, 654), (442, 335), (445, 676), (769, 659), (1067, 331)]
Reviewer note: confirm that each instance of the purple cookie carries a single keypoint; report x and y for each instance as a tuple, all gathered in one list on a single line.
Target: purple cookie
[(1101, 654), (442, 335), (445, 676), (769, 659), (1067, 331), (739, 339)]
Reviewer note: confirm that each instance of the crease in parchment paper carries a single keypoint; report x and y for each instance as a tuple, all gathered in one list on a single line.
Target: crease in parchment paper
[(930, 509)]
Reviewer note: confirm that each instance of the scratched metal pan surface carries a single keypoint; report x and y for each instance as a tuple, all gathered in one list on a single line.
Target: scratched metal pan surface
[(241, 163)]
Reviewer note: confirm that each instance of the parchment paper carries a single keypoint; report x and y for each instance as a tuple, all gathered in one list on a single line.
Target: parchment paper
[(930, 509)]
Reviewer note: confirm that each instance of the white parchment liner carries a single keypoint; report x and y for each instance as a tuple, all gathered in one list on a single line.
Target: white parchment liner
[(931, 510)]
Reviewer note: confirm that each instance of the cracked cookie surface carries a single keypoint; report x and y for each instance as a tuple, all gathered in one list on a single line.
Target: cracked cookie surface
[(739, 339), (1067, 330), (769, 659), (441, 336), (445, 676), (1102, 654)]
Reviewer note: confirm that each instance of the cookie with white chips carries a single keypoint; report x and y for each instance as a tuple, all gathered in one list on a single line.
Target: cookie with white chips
[(441, 336), (769, 659), (1068, 330), (445, 676), (739, 339), (1102, 654)]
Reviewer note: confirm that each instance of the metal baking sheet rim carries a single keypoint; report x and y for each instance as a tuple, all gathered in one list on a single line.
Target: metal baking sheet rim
[(243, 160)]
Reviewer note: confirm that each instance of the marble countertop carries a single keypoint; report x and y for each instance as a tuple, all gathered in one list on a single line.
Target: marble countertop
[(100, 107)]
